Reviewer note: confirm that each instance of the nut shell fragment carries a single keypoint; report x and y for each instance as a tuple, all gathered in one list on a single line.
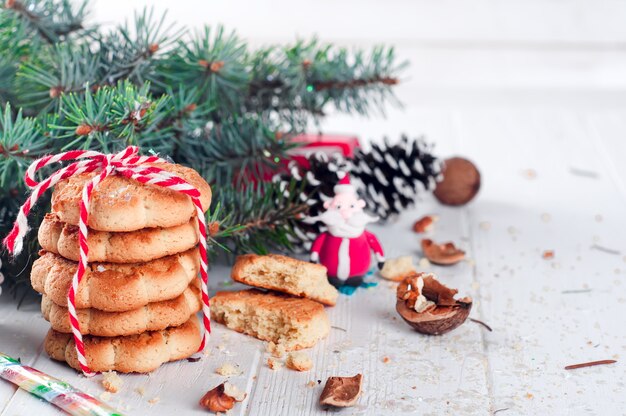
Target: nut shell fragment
[(446, 314), (222, 398), (341, 391), (424, 224), (443, 254)]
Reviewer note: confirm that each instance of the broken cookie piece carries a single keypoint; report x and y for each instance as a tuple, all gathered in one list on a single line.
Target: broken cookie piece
[(227, 370), (222, 398), (429, 306), (398, 268), (341, 391), (299, 361)]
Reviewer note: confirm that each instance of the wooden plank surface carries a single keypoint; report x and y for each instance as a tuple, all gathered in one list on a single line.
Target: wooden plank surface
[(552, 180)]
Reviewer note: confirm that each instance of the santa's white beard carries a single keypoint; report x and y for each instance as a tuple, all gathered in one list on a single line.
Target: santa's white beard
[(345, 228)]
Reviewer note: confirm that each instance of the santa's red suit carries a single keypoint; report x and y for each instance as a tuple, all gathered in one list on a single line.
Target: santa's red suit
[(347, 257)]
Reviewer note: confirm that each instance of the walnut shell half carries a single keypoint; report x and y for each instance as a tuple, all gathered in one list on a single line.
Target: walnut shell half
[(445, 254), (445, 315)]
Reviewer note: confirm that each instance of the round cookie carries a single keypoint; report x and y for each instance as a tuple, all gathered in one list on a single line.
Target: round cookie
[(113, 287), (152, 317), (127, 247), (133, 354), (122, 204)]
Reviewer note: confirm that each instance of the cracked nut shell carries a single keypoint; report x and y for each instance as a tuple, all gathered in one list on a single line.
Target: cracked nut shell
[(341, 391), (445, 315)]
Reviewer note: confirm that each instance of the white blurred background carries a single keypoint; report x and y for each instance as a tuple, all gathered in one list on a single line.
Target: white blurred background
[(463, 54)]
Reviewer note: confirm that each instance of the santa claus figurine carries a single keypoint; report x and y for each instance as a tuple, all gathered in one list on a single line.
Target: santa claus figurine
[(345, 249)]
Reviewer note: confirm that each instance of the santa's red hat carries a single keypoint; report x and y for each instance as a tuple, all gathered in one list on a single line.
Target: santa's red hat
[(344, 186)]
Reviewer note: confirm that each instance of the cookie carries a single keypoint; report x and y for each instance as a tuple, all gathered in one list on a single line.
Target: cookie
[(293, 322), (398, 268), (152, 317), (122, 204), (285, 274), (113, 287), (128, 247), (133, 354)]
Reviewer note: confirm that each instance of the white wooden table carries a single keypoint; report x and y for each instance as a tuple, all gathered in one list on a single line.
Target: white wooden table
[(534, 93), (545, 314)]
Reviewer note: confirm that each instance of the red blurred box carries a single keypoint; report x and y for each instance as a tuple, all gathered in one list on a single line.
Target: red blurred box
[(329, 144)]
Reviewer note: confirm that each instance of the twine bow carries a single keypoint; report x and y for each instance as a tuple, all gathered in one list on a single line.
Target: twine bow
[(127, 163)]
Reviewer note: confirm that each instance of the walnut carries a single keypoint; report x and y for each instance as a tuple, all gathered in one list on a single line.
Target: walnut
[(460, 184)]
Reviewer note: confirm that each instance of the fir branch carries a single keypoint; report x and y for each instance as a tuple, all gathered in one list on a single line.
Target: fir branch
[(58, 70), (260, 218), (111, 118), (235, 150), (301, 80), (20, 143), (15, 45), (353, 83), (132, 51), (213, 62), (54, 20)]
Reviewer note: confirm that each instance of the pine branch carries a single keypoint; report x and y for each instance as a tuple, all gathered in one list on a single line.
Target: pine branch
[(215, 63), (112, 118), (259, 219), (56, 70), (235, 150), (20, 143), (132, 51), (354, 83), (301, 80), (54, 20)]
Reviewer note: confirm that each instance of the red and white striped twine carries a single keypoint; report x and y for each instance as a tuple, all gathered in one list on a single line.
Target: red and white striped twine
[(127, 163)]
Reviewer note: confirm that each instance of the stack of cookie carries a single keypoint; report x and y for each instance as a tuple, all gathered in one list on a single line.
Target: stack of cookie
[(137, 301), (290, 314)]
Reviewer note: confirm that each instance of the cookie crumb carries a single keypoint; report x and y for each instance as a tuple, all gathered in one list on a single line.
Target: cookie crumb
[(311, 384), (386, 360), (111, 381), (299, 361), (154, 400), (277, 350), (274, 364), (424, 263), (227, 369), (105, 396), (140, 391), (485, 226)]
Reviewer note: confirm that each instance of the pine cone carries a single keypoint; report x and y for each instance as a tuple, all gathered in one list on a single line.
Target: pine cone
[(389, 178)]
